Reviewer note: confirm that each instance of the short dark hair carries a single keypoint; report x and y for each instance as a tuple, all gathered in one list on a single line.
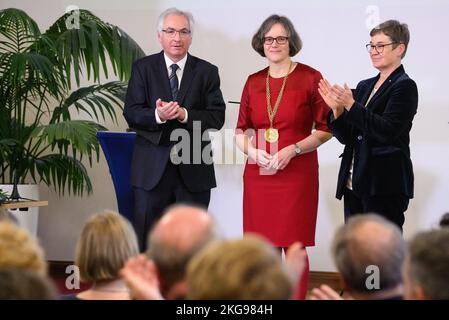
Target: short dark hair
[(429, 263), (294, 41), (398, 32)]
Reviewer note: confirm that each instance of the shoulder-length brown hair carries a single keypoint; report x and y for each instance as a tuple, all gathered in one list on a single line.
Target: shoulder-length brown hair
[(294, 40), (107, 241)]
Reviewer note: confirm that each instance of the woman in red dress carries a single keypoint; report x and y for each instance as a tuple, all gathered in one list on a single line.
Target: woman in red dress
[(280, 107)]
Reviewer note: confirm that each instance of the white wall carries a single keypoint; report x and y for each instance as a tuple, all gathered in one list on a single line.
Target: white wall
[(334, 35)]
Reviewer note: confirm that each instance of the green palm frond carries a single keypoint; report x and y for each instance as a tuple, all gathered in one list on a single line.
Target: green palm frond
[(38, 136), (80, 135), (30, 71), (55, 170), (17, 29), (94, 100), (6, 146), (90, 44)]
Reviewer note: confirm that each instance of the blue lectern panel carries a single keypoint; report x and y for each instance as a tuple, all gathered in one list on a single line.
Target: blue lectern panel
[(118, 149)]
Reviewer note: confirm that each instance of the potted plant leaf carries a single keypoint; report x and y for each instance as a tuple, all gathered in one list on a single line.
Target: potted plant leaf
[(48, 123)]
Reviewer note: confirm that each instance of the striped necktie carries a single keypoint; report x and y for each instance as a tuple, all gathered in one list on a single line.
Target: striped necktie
[(174, 81)]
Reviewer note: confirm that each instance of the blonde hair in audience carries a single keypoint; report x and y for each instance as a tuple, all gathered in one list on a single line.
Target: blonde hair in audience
[(245, 269), (105, 244), (18, 249)]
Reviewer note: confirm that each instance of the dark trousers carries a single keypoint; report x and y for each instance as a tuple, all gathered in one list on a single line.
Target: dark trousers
[(391, 207), (149, 205)]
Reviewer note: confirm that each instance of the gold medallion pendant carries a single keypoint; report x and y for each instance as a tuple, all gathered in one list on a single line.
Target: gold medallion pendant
[(271, 135)]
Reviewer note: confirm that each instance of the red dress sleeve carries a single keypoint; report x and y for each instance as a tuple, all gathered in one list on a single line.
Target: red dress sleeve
[(319, 108), (244, 121)]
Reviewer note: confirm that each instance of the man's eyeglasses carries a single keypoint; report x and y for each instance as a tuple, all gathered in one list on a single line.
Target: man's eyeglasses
[(171, 33), (379, 47), (279, 40)]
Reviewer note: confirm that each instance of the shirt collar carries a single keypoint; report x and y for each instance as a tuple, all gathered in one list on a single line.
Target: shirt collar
[(181, 63)]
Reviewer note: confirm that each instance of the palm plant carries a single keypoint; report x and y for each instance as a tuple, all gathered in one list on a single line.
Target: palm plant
[(40, 94)]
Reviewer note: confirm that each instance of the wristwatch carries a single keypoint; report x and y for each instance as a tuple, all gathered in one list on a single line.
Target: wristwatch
[(297, 149)]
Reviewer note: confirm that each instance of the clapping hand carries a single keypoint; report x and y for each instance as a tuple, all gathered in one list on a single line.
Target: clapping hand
[(167, 110), (324, 292), (344, 95), (140, 276), (336, 97)]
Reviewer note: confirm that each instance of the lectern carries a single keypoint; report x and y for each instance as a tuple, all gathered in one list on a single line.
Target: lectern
[(118, 149)]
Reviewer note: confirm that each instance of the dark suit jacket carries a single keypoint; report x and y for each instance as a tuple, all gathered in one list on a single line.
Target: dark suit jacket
[(379, 136), (199, 93)]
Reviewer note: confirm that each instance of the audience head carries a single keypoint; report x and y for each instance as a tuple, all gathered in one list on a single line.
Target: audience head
[(180, 233), (244, 269), (18, 249), (365, 244), (106, 242), (426, 269), (22, 284), (444, 221)]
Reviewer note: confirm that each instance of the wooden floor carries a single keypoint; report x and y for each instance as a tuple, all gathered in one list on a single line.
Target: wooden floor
[(317, 278)]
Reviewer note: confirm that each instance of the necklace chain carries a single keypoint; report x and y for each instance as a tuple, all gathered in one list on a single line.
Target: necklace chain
[(270, 110)]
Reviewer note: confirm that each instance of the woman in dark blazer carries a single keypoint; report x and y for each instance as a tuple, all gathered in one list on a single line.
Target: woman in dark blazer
[(374, 122)]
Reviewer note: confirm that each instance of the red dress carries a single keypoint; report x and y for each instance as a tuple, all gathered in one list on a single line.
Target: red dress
[(282, 206)]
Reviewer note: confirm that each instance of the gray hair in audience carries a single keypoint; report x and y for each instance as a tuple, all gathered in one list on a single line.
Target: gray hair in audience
[(429, 263), (175, 12), (353, 254)]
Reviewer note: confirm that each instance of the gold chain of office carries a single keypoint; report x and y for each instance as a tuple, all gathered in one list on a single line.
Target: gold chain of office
[(272, 134)]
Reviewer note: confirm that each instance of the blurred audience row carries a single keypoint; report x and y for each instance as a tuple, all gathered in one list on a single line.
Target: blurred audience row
[(187, 258)]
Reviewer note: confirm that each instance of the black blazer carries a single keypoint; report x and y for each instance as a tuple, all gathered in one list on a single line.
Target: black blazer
[(199, 93), (378, 136)]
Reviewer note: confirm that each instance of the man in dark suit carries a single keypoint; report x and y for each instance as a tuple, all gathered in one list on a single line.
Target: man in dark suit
[(374, 123), (173, 100)]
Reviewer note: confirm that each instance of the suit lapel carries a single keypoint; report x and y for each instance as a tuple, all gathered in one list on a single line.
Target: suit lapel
[(367, 90), (387, 83), (187, 78)]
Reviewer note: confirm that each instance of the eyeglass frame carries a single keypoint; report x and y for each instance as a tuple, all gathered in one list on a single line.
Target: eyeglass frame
[(183, 33), (369, 47), (273, 39)]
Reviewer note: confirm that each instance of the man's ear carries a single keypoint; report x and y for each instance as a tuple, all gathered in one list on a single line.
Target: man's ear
[(419, 293)]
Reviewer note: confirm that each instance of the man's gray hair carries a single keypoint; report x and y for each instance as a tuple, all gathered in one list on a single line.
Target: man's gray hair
[(352, 254), (429, 263), (176, 12)]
